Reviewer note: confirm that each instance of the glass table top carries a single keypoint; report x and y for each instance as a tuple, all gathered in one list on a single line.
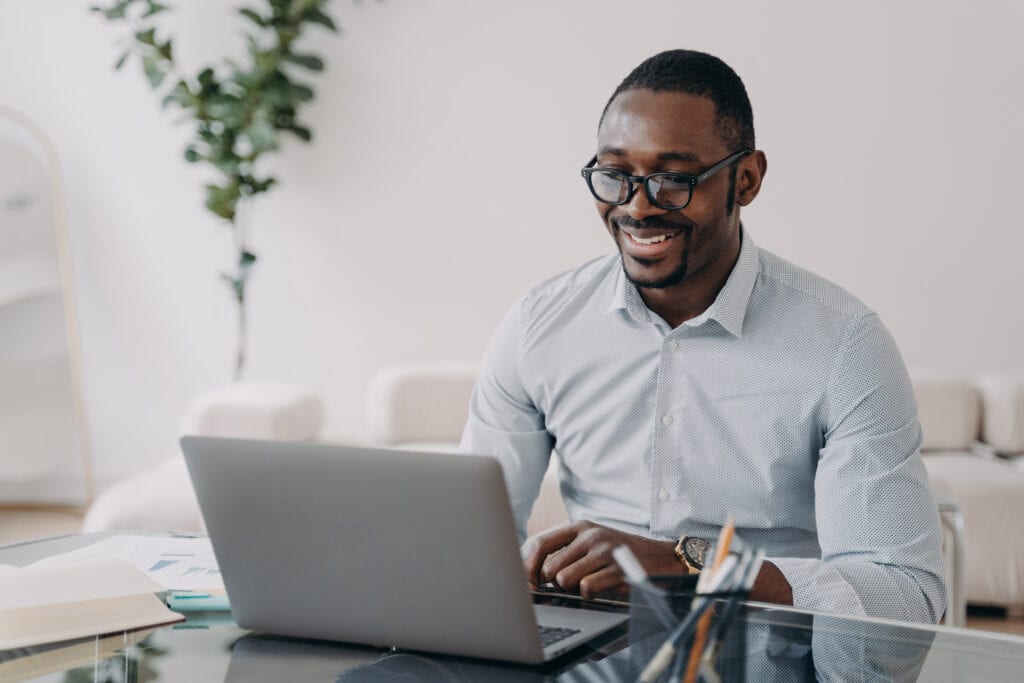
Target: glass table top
[(764, 643)]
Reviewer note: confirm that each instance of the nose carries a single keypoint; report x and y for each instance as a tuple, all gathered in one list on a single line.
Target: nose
[(640, 207)]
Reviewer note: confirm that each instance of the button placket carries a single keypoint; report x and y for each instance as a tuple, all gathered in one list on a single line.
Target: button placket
[(662, 436)]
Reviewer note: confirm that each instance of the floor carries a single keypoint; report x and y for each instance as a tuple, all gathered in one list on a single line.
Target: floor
[(22, 524)]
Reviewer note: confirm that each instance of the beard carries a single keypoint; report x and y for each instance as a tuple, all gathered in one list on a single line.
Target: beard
[(673, 278), (685, 229)]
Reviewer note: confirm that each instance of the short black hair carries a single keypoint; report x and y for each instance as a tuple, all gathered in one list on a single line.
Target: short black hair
[(704, 75)]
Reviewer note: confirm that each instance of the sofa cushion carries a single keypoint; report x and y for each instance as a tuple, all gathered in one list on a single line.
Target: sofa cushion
[(990, 493), (252, 410), (419, 402), (1003, 424), (949, 409)]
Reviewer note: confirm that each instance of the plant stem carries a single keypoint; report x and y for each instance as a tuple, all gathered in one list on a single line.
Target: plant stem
[(240, 225)]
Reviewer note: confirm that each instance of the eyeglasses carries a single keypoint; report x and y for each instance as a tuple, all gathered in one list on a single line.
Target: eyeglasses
[(669, 191)]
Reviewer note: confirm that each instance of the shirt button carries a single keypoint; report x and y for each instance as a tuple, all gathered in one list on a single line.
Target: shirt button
[(663, 494), (673, 345), (667, 420)]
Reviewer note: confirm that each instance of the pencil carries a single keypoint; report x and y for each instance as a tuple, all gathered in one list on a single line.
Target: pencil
[(701, 636)]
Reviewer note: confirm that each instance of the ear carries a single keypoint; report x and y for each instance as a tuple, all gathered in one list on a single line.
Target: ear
[(749, 175)]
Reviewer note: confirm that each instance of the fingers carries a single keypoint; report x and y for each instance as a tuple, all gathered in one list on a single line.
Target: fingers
[(578, 555), (582, 562), (607, 579), (542, 547)]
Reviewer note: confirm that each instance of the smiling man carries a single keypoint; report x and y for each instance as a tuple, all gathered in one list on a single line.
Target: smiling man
[(691, 376)]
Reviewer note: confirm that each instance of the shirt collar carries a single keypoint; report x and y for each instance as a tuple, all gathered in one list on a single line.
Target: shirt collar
[(729, 307)]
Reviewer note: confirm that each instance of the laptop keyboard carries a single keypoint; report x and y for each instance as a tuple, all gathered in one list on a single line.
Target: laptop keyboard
[(552, 634)]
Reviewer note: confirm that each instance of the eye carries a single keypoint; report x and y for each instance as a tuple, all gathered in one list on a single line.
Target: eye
[(675, 182)]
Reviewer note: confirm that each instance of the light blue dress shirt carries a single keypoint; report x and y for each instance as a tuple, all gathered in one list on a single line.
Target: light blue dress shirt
[(785, 404)]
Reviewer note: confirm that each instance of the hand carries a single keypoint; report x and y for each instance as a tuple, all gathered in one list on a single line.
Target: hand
[(579, 556)]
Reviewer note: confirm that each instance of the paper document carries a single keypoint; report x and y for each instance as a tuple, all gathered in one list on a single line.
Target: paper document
[(175, 563)]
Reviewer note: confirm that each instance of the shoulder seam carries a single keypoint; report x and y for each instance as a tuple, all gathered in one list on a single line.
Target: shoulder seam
[(863, 315), (553, 288)]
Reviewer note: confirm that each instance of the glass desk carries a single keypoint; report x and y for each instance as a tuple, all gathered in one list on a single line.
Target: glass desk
[(766, 643)]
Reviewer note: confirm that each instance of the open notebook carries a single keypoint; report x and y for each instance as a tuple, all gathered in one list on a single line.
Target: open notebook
[(50, 603)]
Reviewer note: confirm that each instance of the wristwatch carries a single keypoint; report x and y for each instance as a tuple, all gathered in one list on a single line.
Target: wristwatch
[(692, 552)]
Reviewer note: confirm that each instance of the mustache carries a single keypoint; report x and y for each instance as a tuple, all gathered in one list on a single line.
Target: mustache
[(654, 223)]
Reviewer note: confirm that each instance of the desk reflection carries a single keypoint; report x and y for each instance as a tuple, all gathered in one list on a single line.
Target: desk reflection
[(763, 646)]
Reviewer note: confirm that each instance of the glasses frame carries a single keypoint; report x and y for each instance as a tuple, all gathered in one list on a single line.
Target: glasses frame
[(635, 180)]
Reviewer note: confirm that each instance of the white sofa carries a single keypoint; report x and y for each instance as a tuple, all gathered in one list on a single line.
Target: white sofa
[(969, 426)]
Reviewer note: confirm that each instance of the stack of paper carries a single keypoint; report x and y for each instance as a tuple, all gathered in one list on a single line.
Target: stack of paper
[(25, 664)]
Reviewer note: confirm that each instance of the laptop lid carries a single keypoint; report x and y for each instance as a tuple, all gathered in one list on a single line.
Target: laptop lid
[(375, 546)]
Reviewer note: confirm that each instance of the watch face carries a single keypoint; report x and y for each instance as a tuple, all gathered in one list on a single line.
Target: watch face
[(696, 550)]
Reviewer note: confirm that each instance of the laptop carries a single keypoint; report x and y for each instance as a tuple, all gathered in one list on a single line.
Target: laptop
[(375, 546)]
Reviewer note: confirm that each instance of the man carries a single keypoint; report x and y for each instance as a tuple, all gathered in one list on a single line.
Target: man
[(692, 376)]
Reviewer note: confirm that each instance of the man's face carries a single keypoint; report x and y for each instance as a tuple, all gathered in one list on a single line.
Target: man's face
[(646, 132)]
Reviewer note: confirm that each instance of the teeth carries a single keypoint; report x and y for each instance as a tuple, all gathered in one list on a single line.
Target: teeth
[(652, 240)]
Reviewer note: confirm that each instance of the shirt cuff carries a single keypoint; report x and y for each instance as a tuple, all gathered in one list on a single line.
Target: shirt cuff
[(818, 586)]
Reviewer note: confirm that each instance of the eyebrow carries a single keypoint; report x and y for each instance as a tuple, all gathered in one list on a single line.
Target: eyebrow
[(688, 157)]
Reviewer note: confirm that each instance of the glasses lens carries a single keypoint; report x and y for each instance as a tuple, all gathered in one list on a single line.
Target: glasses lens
[(609, 186), (668, 190)]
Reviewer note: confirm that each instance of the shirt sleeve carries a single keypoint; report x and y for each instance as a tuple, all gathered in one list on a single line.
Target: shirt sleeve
[(504, 422), (878, 524)]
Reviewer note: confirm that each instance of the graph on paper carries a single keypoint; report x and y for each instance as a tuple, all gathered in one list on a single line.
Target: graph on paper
[(176, 563)]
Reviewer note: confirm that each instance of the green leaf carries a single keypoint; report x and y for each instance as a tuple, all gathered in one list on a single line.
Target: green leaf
[(166, 50), (122, 59), (147, 37), (252, 16), (261, 135), (246, 259), (316, 16), (226, 108), (154, 72), (302, 93), (111, 13), (261, 185), (226, 161), (311, 62), (154, 8), (180, 95), (222, 200), (301, 132), (237, 286), (192, 155)]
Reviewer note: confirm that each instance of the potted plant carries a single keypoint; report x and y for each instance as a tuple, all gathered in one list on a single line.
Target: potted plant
[(240, 112)]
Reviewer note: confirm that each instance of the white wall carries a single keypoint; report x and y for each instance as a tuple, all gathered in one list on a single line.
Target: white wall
[(893, 133)]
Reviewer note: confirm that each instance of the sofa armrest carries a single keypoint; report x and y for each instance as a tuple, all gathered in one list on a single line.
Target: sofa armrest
[(1002, 397), (949, 409)]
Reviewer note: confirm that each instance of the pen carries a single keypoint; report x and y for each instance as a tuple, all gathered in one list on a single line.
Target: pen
[(700, 639), (748, 575)]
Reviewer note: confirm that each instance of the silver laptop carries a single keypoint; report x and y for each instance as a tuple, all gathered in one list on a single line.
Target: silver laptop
[(373, 546)]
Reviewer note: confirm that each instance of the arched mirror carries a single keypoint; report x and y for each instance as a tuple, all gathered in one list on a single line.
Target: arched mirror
[(44, 457)]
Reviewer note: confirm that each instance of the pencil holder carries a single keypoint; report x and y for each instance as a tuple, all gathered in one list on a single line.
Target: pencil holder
[(650, 625)]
